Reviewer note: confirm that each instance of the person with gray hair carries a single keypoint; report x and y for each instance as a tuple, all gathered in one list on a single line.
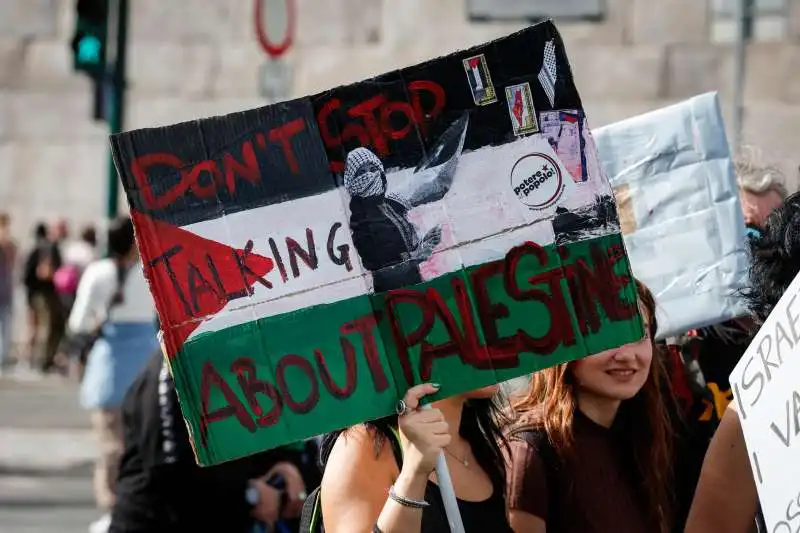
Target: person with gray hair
[(386, 241), (761, 190)]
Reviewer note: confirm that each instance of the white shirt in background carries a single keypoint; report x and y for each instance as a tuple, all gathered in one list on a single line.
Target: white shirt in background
[(78, 253), (95, 291)]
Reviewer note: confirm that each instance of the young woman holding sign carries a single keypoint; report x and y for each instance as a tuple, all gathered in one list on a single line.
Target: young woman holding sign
[(591, 452), (380, 477)]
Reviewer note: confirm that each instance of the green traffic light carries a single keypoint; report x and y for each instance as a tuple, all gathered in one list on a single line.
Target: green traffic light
[(89, 49)]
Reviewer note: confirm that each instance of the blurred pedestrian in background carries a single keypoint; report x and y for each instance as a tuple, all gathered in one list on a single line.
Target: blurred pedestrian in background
[(162, 489), (45, 310), (113, 309), (76, 255), (82, 251), (8, 259)]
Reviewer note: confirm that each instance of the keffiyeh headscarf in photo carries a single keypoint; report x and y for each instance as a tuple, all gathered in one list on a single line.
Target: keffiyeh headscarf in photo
[(364, 174)]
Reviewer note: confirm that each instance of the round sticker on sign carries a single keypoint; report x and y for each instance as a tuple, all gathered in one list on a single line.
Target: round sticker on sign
[(537, 181)]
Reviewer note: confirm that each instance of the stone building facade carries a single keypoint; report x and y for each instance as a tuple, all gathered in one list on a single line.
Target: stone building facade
[(195, 58)]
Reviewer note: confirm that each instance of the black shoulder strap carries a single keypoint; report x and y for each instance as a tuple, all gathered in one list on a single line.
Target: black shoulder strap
[(397, 447)]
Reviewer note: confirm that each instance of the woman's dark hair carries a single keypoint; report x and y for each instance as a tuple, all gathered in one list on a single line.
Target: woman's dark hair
[(481, 422), (40, 231), (775, 258), (89, 236), (120, 237), (550, 402)]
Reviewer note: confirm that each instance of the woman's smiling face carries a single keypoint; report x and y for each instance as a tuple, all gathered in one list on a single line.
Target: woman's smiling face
[(619, 373)]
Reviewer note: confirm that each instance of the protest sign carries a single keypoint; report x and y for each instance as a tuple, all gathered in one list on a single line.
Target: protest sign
[(766, 395), (679, 208), (311, 260)]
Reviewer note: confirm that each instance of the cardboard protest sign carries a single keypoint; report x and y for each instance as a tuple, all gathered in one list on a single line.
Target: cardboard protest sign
[(766, 395), (313, 259), (678, 203)]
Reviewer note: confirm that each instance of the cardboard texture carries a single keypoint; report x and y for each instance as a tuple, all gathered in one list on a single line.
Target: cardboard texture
[(312, 260), (680, 213), (766, 397)]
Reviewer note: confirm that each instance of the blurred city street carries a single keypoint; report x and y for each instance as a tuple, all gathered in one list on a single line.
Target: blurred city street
[(46, 452)]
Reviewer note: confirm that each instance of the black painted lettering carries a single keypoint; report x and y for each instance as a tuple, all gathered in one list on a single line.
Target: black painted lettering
[(278, 259), (229, 296), (308, 256), (198, 285), (245, 271), (344, 249), (164, 258)]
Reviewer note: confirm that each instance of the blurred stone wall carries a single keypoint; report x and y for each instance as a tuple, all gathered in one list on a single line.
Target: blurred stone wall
[(194, 58)]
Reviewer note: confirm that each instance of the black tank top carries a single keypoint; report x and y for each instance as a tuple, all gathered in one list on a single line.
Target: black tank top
[(478, 517)]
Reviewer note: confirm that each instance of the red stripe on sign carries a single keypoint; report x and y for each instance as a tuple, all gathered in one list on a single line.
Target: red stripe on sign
[(474, 62), (193, 278)]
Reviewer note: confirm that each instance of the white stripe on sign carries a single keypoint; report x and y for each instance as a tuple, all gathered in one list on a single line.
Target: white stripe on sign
[(476, 72), (481, 219)]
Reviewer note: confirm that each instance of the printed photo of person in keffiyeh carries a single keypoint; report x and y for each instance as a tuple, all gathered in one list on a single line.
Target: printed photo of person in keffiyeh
[(386, 241)]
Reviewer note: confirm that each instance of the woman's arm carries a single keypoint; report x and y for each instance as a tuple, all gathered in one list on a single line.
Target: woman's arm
[(726, 498), (355, 488), (522, 522)]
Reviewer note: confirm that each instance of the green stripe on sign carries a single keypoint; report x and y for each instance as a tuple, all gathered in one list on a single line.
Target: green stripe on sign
[(281, 379)]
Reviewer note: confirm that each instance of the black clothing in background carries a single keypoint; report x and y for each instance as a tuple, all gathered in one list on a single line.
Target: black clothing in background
[(160, 487), (43, 251)]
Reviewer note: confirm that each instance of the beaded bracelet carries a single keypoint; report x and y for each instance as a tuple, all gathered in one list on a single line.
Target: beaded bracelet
[(407, 502)]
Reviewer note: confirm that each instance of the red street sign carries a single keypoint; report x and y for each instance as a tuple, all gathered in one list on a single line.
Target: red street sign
[(271, 48)]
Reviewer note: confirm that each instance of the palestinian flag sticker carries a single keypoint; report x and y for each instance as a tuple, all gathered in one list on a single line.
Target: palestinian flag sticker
[(480, 81), (521, 110)]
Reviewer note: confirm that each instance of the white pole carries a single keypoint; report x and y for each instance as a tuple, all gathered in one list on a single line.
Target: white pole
[(448, 493)]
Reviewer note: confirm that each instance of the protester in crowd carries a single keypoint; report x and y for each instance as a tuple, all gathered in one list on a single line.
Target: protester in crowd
[(44, 306), (59, 232), (718, 348), (162, 489), (8, 259), (396, 456), (113, 308), (77, 255), (704, 358), (761, 190), (82, 251), (726, 498), (591, 450)]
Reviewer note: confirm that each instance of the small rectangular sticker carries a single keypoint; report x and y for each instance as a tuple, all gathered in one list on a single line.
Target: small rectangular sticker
[(520, 108), (480, 81)]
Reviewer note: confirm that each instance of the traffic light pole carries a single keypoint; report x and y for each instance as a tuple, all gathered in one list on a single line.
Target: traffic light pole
[(114, 90), (744, 26)]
